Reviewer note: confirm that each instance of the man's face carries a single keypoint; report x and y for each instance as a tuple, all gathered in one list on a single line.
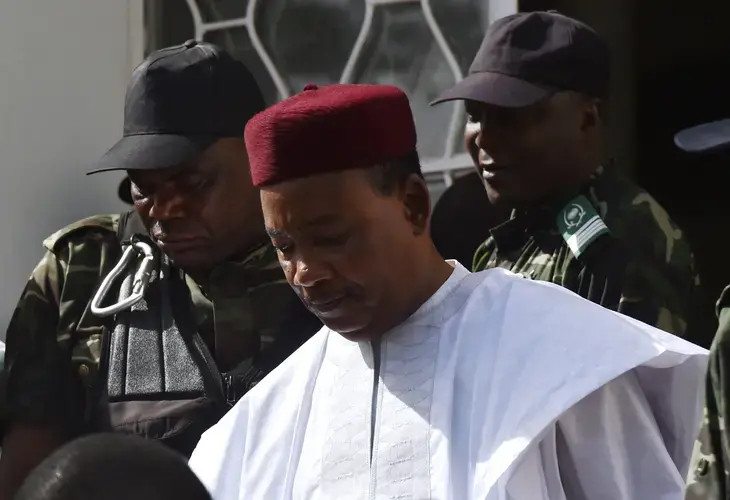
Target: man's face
[(471, 134), (345, 247), (527, 154), (200, 213)]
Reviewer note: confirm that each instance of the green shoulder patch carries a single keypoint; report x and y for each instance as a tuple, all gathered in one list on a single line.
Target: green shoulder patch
[(97, 223), (579, 224)]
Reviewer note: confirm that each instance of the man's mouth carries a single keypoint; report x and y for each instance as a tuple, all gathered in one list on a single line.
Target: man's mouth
[(326, 305), (488, 168), (178, 244)]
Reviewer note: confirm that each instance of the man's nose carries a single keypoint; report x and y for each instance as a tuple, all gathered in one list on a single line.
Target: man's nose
[(490, 141), (311, 271)]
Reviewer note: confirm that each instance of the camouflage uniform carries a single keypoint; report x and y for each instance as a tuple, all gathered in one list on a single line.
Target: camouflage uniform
[(645, 268), (708, 473), (54, 341)]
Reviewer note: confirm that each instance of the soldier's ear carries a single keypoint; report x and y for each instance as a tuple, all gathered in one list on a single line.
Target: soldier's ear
[(416, 203), (591, 114), (124, 191)]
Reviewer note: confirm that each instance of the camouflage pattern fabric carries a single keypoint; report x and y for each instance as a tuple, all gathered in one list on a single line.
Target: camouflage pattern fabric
[(644, 269), (54, 341), (708, 472)]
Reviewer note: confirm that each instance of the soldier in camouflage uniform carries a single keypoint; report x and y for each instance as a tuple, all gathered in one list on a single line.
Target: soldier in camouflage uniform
[(709, 472), (183, 149), (575, 223)]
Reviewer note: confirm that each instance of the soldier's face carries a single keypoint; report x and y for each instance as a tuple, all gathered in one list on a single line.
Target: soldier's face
[(345, 248), (203, 212), (525, 155), (471, 134)]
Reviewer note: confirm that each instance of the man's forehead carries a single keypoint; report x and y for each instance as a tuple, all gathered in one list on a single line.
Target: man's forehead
[(279, 227), (317, 201), (168, 173)]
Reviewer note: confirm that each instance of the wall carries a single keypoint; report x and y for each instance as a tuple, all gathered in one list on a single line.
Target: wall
[(683, 77), (65, 66)]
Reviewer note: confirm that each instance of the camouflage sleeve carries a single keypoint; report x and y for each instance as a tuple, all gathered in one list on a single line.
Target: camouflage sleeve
[(658, 296), (708, 473), (661, 285), (39, 385), (32, 388), (624, 280)]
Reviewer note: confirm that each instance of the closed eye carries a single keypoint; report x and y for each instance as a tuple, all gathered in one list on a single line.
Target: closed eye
[(284, 250), (195, 183)]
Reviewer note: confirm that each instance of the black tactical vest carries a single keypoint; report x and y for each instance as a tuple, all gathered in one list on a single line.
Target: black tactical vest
[(157, 377)]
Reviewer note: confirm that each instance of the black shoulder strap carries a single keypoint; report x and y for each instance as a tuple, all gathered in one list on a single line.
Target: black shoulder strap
[(96, 412)]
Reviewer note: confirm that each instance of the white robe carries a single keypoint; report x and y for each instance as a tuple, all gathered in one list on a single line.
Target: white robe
[(497, 388)]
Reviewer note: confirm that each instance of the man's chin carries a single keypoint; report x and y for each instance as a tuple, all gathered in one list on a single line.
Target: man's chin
[(356, 336), (505, 198), (498, 198), (192, 260), (351, 330)]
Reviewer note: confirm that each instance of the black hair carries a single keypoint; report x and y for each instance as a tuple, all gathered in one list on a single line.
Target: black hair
[(389, 176), (113, 467)]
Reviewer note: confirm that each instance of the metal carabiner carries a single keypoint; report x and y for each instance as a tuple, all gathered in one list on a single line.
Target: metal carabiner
[(139, 285)]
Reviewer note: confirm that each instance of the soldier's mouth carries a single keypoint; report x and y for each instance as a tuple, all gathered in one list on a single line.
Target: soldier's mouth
[(178, 245)]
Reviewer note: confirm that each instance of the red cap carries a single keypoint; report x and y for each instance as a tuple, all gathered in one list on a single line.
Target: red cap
[(329, 129)]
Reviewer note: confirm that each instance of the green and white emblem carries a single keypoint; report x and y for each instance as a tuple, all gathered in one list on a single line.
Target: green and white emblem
[(580, 224)]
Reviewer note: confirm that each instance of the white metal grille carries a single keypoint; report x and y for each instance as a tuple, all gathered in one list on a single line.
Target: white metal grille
[(238, 24)]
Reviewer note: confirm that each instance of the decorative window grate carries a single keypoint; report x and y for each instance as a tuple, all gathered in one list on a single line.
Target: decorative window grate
[(421, 46)]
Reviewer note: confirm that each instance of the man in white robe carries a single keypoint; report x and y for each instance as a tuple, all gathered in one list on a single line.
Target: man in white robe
[(428, 381)]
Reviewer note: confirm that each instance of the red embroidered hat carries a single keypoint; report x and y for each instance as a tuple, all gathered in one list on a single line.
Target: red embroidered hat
[(328, 129)]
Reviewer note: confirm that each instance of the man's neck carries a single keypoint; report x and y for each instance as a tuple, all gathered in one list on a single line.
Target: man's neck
[(561, 196), (202, 275), (436, 272), (431, 272), (247, 247)]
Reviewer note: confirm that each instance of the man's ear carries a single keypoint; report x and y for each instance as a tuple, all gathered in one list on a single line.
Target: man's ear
[(416, 202), (591, 116)]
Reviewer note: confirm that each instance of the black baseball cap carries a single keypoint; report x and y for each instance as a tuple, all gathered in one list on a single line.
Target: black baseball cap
[(179, 102), (529, 56), (706, 138)]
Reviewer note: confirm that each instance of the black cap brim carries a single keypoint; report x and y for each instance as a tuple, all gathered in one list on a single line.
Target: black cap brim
[(152, 151), (497, 89), (705, 138)]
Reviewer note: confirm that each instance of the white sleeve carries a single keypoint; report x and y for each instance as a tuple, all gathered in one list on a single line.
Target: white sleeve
[(218, 457), (606, 447)]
